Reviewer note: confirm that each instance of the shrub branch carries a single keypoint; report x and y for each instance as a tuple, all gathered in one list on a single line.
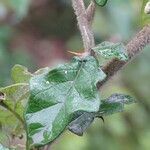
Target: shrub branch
[(90, 12), (134, 47)]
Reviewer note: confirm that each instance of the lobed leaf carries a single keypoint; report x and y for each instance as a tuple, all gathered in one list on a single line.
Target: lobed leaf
[(57, 95)]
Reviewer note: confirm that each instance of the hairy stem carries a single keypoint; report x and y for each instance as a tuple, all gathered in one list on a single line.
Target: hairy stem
[(134, 47), (90, 12), (84, 25)]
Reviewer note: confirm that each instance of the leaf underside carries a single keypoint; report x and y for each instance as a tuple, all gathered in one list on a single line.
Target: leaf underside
[(114, 104), (80, 125)]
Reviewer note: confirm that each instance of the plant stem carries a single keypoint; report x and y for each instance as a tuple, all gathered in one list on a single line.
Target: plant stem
[(134, 47), (91, 12), (84, 25)]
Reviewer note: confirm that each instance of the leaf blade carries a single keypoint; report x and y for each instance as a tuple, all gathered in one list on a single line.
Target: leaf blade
[(114, 104), (63, 91), (108, 50)]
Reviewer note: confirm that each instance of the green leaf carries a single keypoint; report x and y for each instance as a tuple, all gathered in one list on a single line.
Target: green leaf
[(3, 148), (101, 2), (16, 97), (12, 108), (109, 50), (57, 95), (145, 17), (20, 74), (80, 125), (5, 116), (115, 103)]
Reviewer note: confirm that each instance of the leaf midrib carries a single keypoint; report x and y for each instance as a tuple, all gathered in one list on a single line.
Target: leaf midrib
[(78, 72)]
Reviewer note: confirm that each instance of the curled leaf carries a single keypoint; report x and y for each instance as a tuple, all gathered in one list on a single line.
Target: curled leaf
[(80, 125)]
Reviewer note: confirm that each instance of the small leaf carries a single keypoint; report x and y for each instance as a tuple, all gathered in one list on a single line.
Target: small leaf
[(57, 95), (114, 104), (80, 125), (20, 74), (101, 2), (107, 51)]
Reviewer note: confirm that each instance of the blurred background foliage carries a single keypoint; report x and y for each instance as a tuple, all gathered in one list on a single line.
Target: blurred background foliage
[(38, 33)]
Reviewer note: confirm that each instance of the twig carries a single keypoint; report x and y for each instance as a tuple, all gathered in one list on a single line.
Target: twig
[(83, 23), (137, 44), (90, 12), (134, 47)]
